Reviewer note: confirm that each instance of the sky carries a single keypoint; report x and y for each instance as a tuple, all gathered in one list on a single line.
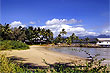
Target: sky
[(82, 17)]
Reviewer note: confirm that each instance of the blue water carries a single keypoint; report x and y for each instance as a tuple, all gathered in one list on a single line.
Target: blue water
[(104, 52)]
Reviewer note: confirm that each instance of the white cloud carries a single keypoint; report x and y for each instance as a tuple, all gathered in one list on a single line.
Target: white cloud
[(106, 29), (31, 22), (106, 32), (56, 25), (62, 21), (17, 23), (79, 25)]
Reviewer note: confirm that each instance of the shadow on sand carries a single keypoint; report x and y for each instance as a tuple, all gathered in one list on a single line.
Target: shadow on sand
[(19, 60)]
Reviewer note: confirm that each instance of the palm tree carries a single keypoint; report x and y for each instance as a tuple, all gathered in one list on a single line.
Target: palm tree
[(43, 34), (49, 35), (81, 40), (63, 32), (68, 41), (29, 34), (86, 39), (59, 39), (6, 34), (36, 34), (1, 31), (72, 37), (77, 38), (39, 31)]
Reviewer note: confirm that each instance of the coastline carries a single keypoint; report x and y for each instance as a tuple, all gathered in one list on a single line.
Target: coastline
[(37, 53), (80, 45)]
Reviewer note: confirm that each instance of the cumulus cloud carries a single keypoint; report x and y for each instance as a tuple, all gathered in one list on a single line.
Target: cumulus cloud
[(56, 25), (17, 23), (31, 22)]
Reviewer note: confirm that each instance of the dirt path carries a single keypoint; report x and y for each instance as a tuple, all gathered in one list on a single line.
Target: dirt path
[(36, 54)]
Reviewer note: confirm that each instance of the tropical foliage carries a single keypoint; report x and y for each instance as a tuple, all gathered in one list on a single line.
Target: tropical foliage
[(8, 44), (63, 32), (68, 40), (32, 35), (24, 34)]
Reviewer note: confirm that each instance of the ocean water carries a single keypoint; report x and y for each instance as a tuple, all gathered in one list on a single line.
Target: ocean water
[(104, 52)]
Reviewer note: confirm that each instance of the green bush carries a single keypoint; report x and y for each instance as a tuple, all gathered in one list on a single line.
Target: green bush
[(9, 66), (8, 44), (6, 66)]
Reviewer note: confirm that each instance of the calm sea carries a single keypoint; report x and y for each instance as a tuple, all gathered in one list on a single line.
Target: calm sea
[(104, 52)]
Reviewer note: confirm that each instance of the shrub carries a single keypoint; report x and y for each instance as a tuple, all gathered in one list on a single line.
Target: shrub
[(9, 66), (6, 66), (8, 44)]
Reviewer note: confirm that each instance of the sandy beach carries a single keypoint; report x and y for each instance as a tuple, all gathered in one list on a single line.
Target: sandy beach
[(36, 54)]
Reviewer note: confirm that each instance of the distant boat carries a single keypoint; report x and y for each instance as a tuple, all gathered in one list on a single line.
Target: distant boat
[(104, 42)]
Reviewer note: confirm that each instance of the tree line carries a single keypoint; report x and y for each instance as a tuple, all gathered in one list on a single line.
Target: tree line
[(69, 40), (25, 33), (37, 35)]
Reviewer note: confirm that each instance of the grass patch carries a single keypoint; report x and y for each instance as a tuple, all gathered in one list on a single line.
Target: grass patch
[(10, 45)]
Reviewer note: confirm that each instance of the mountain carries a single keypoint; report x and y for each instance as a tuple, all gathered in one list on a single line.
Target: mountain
[(103, 36), (99, 36)]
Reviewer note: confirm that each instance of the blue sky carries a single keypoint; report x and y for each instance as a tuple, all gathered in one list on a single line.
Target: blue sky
[(79, 16)]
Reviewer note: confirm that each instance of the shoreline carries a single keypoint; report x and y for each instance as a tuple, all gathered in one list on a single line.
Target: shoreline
[(37, 53), (79, 45)]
